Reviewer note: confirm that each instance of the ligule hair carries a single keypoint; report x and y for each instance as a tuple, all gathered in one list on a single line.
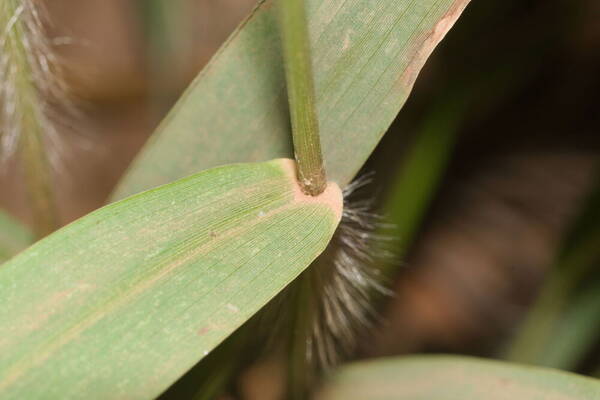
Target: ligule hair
[(332, 305), (347, 281)]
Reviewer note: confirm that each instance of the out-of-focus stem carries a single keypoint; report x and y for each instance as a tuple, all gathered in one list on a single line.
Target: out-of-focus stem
[(28, 113), (38, 180), (300, 374)]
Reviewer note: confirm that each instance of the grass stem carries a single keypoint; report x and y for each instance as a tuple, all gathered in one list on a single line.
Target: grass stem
[(301, 96)]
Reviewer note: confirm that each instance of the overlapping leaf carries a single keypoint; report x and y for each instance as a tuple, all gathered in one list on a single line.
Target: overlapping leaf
[(366, 57), (123, 301)]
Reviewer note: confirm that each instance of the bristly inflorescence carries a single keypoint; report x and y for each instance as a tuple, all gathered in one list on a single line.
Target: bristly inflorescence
[(30, 84), (347, 280)]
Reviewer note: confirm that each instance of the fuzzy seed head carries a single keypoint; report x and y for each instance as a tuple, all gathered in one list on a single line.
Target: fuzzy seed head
[(30, 84)]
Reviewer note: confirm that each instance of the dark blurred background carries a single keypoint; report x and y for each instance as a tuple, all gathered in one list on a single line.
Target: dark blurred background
[(485, 169)]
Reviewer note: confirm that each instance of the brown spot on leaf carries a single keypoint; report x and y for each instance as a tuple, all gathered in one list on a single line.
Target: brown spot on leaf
[(203, 331)]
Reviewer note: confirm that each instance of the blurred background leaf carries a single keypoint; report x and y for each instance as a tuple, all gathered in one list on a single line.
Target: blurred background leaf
[(563, 324), (454, 378)]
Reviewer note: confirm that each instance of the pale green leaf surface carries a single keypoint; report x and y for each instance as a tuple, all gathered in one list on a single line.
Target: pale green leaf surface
[(366, 57), (14, 237), (455, 378), (120, 303)]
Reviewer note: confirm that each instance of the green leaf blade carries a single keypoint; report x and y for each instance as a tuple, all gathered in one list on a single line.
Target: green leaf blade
[(366, 57), (455, 378), (125, 300)]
